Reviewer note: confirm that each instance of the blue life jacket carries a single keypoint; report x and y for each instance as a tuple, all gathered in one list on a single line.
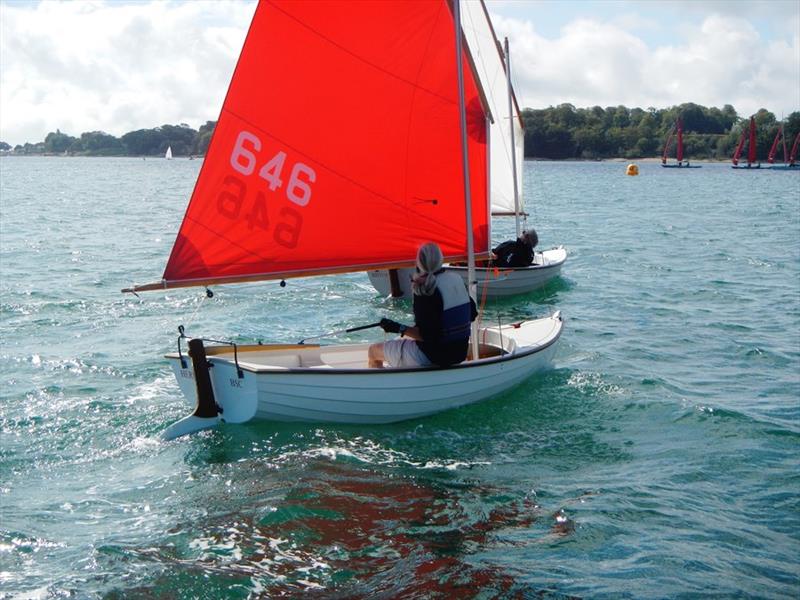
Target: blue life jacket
[(443, 319)]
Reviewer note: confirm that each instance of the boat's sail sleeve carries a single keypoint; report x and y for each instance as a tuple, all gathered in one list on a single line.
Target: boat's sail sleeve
[(335, 149), (489, 64)]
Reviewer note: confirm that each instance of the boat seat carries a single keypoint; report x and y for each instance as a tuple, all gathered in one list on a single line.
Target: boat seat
[(485, 351), (289, 361)]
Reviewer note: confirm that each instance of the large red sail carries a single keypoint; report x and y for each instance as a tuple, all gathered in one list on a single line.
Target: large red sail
[(337, 148)]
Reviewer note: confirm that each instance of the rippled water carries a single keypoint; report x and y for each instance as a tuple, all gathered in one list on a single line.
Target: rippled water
[(659, 459)]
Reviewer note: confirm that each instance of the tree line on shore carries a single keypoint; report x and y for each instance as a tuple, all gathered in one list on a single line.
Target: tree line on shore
[(559, 133)]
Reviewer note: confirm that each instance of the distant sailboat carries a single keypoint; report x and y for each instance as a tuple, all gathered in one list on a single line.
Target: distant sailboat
[(789, 158), (168, 154), (749, 135), (677, 128)]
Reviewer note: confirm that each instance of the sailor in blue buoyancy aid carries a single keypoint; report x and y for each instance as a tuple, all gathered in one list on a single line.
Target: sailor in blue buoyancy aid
[(443, 312)]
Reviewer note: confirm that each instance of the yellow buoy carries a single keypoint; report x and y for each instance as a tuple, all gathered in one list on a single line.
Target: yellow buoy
[(632, 170)]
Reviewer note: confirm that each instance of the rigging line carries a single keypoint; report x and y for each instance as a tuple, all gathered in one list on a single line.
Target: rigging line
[(484, 296), (197, 308)]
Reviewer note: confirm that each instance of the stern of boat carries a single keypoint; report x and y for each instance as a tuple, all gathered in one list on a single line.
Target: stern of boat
[(235, 390)]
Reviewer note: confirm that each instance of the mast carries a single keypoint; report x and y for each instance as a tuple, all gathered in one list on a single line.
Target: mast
[(465, 166), (751, 150), (679, 155), (785, 153), (513, 143)]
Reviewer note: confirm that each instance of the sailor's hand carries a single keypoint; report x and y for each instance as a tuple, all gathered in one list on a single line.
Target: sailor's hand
[(390, 326)]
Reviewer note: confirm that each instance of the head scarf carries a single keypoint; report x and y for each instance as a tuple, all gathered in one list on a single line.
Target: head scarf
[(429, 263)]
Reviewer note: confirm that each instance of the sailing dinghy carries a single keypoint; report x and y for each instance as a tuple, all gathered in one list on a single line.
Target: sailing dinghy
[(789, 158), (677, 132), (168, 153), (749, 136), (493, 67), (280, 195)]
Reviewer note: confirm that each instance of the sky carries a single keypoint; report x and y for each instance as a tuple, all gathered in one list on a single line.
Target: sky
[(121, 65)]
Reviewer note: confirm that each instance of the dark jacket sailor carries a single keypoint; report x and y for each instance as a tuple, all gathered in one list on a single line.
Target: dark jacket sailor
[(516, 253), (443, 312)]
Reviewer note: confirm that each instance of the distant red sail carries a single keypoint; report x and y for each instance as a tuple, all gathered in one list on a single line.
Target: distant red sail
[(738, 152), (666, 146), (337, 147), (751, 149), (774, 148), (793, 153)]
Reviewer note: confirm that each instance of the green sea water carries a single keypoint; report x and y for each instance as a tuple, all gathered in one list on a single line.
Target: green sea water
[(660, 458)]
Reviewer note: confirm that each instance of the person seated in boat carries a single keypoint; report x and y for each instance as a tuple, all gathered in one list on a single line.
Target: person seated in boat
[(443, 312), (516, 253)]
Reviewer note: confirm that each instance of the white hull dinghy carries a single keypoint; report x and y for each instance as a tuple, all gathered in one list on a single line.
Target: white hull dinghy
[(316, 383), (275, 187), (495, 283)]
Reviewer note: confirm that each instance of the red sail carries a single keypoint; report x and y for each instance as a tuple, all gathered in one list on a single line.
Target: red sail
[(738, 152), (337, 147), (751, 148), (793, 153), (774, 148), (679, 156), (666, 146)]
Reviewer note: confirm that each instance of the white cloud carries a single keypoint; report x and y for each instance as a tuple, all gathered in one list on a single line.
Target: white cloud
[(84, 66), (119, 66), (722, 60)]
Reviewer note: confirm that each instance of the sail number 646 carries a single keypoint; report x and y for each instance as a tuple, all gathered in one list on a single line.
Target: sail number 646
[(243, 160)]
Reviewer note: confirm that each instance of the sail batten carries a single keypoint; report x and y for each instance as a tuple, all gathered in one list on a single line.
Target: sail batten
[(334, 150)]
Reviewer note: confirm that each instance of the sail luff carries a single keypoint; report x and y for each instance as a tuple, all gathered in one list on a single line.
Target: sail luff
[(751, 150), (738, 152), (679, 154), (666, 145)]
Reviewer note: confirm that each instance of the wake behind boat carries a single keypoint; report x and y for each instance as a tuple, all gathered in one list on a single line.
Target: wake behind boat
[(273, 184)]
